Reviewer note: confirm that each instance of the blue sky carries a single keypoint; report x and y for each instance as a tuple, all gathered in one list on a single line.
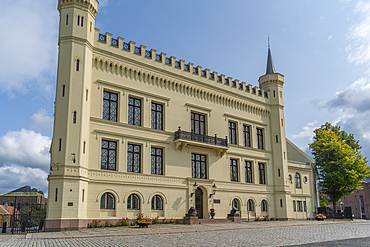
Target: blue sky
[(322, 48)]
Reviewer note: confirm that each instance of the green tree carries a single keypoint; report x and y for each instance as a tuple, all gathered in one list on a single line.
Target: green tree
[(339, 160)]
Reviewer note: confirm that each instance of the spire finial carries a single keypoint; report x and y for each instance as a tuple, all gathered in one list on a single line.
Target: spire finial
[(270, 69), (268, 40)]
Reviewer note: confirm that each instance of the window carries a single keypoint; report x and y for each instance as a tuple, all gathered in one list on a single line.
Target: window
[(299, 206), (279, 172), (232, 133), (233, 170), (134, 111), (277, 139), (304, 206), (82, 21), (56, 194), (133, 202), (281, 203), (261, 167), (157, 161), (133, 158), (250, 205), (67, 20), (87, 94), (64, 90), (247, 136), (259, 138), (294, 207), (297, 180), (248, 172), (60, 145), (198, 166), (90, 26), (110, 103), (83, 195), (198, 125), (107, 201), (157, 116), (78, 20), (108, 155), (235, 204), (362, 204), (264, 206), (157, 203), (74, 117), (78, 65), (84, 147)]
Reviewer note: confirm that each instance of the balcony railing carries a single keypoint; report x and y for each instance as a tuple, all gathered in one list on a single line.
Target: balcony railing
[(191, 136)]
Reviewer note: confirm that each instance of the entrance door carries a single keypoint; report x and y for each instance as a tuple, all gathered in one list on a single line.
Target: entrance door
[(199, 202)]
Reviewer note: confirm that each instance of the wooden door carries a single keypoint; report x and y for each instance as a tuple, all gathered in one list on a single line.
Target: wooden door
[(199, 202)]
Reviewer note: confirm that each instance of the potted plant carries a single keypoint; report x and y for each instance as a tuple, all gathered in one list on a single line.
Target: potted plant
[(320, 216), (143, 222), (212, 213)]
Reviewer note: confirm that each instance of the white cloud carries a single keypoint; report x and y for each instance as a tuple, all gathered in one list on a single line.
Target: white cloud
[(307, 131), (28, 41), (41, 120), (25, 148), (330, 38), (13, 177)]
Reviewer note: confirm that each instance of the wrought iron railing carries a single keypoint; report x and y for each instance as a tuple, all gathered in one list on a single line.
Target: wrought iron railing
[(204, 73), (177, 64), (126, 46), (102, 37), (158, 57), (233, 83), (148, 54), (114, 42), (195, 70), (212, 76), (219, 78), (203, 138), (137, 50), (168, 60), (186, 67)]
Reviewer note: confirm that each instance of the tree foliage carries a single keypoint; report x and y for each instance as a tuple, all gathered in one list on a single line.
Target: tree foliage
[(339, 160)]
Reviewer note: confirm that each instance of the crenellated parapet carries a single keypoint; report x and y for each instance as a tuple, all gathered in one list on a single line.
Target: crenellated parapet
[(91, 5), (119, 46)]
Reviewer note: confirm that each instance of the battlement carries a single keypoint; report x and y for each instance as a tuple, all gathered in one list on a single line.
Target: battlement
[(180, 65), (91, 5)]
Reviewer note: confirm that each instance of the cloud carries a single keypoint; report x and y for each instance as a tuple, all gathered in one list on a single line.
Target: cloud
[(359, 50), (12, 177), (25, 148), (307, 131), (330, 38), (28, 41), (41, 120)]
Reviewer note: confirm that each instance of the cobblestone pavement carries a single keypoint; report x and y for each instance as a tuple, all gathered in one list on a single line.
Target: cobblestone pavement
[(243, 234)]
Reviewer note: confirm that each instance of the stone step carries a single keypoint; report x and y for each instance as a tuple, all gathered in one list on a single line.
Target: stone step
[(214, 221)]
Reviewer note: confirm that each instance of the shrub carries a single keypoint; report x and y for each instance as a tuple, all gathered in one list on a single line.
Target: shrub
[(172, 221), (258, 219), (124, 222), (156, 220)]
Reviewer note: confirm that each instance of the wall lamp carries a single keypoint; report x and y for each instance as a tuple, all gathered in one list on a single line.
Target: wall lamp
[(194, 185), (214, 191)]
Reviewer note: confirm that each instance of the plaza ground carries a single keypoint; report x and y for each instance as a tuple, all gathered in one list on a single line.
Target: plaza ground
[(280, 233)]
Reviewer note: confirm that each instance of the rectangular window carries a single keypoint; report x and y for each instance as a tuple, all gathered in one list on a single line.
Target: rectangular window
[(294, 208), (304, 206), (259, 138), (247, 136), (74, 117), (261, 167), (198, 123), (133, 158), (87, 94), (157, 116), (56, 194), (233, 170), (134, 111), (157, 161), (84, 147), (299, 206), (67, 20), (60, 145), (248, 172), (232, 133), (110, 104), (281, 203), (199, 166), (108, 155), (63, 90)]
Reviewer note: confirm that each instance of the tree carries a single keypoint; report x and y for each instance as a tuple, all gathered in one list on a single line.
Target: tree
[(339, 160)]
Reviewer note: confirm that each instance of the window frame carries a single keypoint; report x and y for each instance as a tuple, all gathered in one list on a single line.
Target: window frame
[(299, 206), (248, 171), (247, 133), (262, 173), (110, 101), (264, 206), (108, 154), (233, 204), (249, 203), (155, 121), (294, 206), (233, 132), (298, 181), (154, 202), (106, 201), (132, 113), (194, 121), (259, 133), (202, 163), (133, 152), (155, 155), (234, 174), (131, 202)]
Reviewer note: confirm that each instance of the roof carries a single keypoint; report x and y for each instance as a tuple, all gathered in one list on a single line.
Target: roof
[(270, 69), (9, 210)]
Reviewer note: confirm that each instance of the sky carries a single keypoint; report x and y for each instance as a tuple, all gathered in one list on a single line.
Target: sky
[(321, 47)]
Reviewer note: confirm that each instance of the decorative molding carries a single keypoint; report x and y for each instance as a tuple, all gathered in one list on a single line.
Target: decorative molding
[(190, 105), (130, 136), (244, 119)]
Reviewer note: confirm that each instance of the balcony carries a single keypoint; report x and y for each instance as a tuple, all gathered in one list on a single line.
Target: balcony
[(184, 138)]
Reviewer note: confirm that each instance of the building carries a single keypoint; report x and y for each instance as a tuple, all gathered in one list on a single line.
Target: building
[(6, 214), (23, 195), (136, 131)]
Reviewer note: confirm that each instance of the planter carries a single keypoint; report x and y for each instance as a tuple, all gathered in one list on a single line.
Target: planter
[(212, 214), (320, 219), (142, 224)]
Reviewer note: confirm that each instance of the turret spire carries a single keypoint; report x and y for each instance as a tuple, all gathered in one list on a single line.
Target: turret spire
[(270, 69)]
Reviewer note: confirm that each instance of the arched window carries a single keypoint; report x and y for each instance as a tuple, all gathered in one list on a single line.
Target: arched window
[(157, 203), (107, 201), (264, 206), (133, 202), (250, 205), (297, 180), (78, 65), (235, 204)]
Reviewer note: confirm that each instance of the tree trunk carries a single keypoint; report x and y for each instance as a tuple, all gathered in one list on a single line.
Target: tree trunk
[(334, 209)]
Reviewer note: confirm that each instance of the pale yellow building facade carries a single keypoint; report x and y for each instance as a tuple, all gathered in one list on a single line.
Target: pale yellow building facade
[(137, 131)]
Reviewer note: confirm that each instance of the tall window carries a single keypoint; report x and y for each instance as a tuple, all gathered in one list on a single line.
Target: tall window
[(134, 111), (157, 116), (157, 203), (110, 103), (78, 65), (157, 161), (232, 133), (250, 205), (294, 207), (74, 117), (262, 174), (299, 206), (233, 170), (304, 206), (63, 90), (297, 180), (133, 202), (264, 206), (198, 123), (259, 138), (248, 172), (247, 135), (56, 194), (107, 201), (67, 20), (82, 21), (108, 155), (199, 166), (133, 158), (235, 204)]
